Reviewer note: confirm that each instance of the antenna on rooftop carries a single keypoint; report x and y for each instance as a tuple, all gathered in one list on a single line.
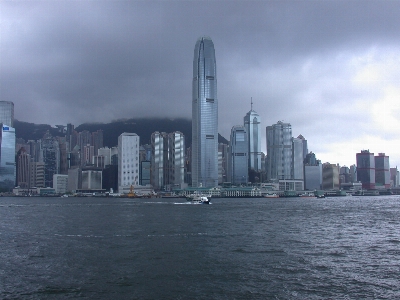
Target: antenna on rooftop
[(251, 102)]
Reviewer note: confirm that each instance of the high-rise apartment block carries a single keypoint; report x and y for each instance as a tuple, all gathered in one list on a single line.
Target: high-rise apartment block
[(204, 115)]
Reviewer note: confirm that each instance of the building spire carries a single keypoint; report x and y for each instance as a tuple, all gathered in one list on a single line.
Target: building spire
[(251, 102)]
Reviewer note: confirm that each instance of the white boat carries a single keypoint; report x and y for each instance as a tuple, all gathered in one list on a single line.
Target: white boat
[(198, 199), (271, 196)]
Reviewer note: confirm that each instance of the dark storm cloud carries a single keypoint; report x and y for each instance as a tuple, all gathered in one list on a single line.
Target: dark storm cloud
[(86, 61)]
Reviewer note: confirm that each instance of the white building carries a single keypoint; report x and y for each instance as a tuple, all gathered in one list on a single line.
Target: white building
[(60, 183), (128, 160)]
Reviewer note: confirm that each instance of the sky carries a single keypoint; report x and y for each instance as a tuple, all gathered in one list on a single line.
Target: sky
[(329, 68)]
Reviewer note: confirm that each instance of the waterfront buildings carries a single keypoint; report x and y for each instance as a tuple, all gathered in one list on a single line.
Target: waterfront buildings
[(159, 158), (382, 171), (167, 159), (330, 177), (253, 128), (366, 169), (239, 155), (7, 158), (128, 160), (298, 158), (312, 172), (279, 151), (176, 158), (204, 170)]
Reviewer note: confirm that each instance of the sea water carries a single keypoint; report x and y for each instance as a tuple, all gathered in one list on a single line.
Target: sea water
[(278, 248)]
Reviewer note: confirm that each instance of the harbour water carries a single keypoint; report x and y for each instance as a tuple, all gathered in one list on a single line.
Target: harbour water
[(293, 248)]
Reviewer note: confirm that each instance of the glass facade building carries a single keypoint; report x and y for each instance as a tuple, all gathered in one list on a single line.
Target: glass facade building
[(252, 125), (279, 151), (7, 113), (7, 158), (239, 155), (204, 115)]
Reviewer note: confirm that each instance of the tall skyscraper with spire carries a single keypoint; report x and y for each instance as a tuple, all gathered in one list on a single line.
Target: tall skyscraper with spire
[(204, 115), (253, 129)]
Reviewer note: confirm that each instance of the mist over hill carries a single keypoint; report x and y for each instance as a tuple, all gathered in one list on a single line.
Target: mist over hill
[(143, 127)]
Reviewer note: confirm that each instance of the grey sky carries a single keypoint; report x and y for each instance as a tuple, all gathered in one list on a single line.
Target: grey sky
[(330, 68)]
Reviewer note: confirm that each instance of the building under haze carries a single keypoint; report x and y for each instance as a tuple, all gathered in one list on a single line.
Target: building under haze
[(239, 155), (128, 161), (366, 169), (204, 115), (279, 151), (7, 113), (252, 123)]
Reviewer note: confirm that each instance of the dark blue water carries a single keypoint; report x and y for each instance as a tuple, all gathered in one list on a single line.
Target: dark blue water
[(333, 248)]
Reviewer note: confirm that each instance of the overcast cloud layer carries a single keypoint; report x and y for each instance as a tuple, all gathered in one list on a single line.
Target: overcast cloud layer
[(330, 68)]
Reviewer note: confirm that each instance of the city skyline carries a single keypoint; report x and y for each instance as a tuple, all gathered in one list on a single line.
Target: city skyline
[(333, 78)]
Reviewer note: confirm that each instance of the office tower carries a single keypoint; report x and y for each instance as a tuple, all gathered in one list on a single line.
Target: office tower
[(74, 179), (330, 176), (145, 172), (176, 158), (145, 152), (298, 158), (23, 168), (50, 154), (68, 134), (312, 172), (253, 128), (382, 171), (394, 177), (279, 151), (60, 183), (353, 173), (37, 175), (97, 140), (91, 179), (305, 147), (106, 153), (7, 158), (159, 159), (239, 155), (7, 113), (204, 115), (366, 169), (223, 153), (128, 160), (98, 161)]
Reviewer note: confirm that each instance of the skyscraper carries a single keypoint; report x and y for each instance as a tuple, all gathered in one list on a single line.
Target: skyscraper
[(366, 169), (204, 115), (7, 113), (128, 160), (7, 146), (252, 125), (238, 153), (279, 151)]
